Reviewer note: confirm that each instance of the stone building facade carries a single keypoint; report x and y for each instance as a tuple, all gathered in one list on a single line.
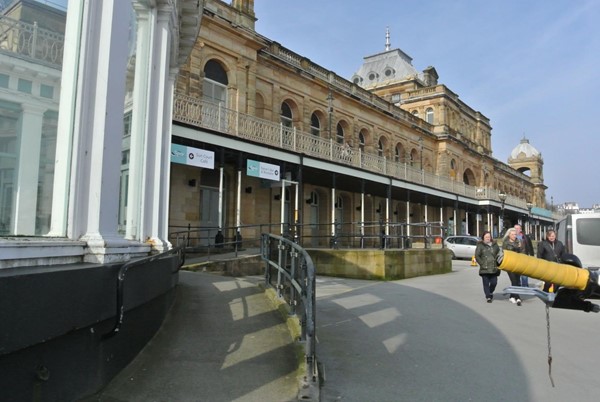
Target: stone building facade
[(389, 147)]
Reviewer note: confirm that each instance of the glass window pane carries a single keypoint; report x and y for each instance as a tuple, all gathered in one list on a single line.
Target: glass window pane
[(588, 231), (31, 63)]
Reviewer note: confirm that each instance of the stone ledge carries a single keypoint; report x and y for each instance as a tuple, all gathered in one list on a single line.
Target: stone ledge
[(381, 264)]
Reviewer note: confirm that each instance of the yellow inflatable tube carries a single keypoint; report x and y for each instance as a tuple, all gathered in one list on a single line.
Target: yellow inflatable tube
[(561, 274)]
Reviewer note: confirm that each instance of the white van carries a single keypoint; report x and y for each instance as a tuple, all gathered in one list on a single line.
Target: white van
[(580, 233)]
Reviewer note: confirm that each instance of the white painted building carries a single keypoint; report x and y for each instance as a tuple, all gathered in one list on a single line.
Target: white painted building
[(71, 183)]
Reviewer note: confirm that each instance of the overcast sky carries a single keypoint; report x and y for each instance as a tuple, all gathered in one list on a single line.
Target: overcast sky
[(531, 66)]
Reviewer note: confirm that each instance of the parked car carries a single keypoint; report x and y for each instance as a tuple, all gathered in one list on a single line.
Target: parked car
[(461, 246)]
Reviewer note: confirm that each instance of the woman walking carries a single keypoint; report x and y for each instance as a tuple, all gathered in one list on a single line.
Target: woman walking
[(513, 244), (486, 253)]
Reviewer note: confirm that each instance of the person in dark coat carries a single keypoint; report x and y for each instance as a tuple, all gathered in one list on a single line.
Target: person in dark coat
[(513, 244), (526, 248), (486, 254), (550, 249)]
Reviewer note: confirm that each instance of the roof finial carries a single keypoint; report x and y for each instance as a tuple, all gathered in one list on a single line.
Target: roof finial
[(387, 39)]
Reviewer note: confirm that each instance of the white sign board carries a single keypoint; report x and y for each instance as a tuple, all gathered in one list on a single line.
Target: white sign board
[(192, 156), (262, 170)]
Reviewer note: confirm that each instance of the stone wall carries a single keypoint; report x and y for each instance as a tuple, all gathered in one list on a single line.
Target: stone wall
[(381, 264)]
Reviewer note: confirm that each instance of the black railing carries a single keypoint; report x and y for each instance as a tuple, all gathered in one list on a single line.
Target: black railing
[(180, 251), (209, 240), (295, 282), (375, 234)]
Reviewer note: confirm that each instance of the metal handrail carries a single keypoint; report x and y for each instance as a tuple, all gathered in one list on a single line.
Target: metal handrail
[(180, 251), (295, 274), (347, 234)]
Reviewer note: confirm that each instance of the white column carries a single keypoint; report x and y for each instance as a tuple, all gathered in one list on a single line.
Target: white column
[(97, 125), (163, 231), (66, 140), (408, 218), (26, 190), (160, 94), (140, 121), (333, 212), (442, 223), (238, 203), (455, 217), (221, 196), (362, 213), (387, 216)]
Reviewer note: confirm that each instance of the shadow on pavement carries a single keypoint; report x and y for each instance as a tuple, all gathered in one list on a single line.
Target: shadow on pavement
[(222, 341), (389, 342)]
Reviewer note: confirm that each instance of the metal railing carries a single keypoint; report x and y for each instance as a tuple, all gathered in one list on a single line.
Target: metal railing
[(180, 251), (374, 234), (205, 114), (210, 240), (291, 272), (28, 41)]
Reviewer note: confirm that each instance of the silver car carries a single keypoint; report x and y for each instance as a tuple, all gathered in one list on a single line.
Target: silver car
[(461, 246)]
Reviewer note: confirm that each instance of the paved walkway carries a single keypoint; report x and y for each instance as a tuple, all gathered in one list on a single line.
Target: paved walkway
[(222, 341), (434, 338), (422, 339)]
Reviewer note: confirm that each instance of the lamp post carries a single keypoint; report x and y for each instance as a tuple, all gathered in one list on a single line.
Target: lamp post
[(502, 197), (552, 209), (529, 206)]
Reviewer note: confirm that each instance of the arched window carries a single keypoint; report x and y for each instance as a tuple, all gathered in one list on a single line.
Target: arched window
[(429, 115), (399, 153), (361, 141), (453, 168), (413, 156), (340, 133), (380, 148), (214, 86), (415, 113), (286, 115), (315, 125)]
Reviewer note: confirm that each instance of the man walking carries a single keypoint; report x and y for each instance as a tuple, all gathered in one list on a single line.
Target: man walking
[(527, 248)]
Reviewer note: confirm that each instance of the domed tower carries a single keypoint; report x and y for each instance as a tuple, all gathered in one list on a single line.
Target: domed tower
[(525, 158)]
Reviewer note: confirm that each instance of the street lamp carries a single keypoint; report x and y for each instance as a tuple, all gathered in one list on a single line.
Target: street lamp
[(529, 206), (502, 197), (552, 209)]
